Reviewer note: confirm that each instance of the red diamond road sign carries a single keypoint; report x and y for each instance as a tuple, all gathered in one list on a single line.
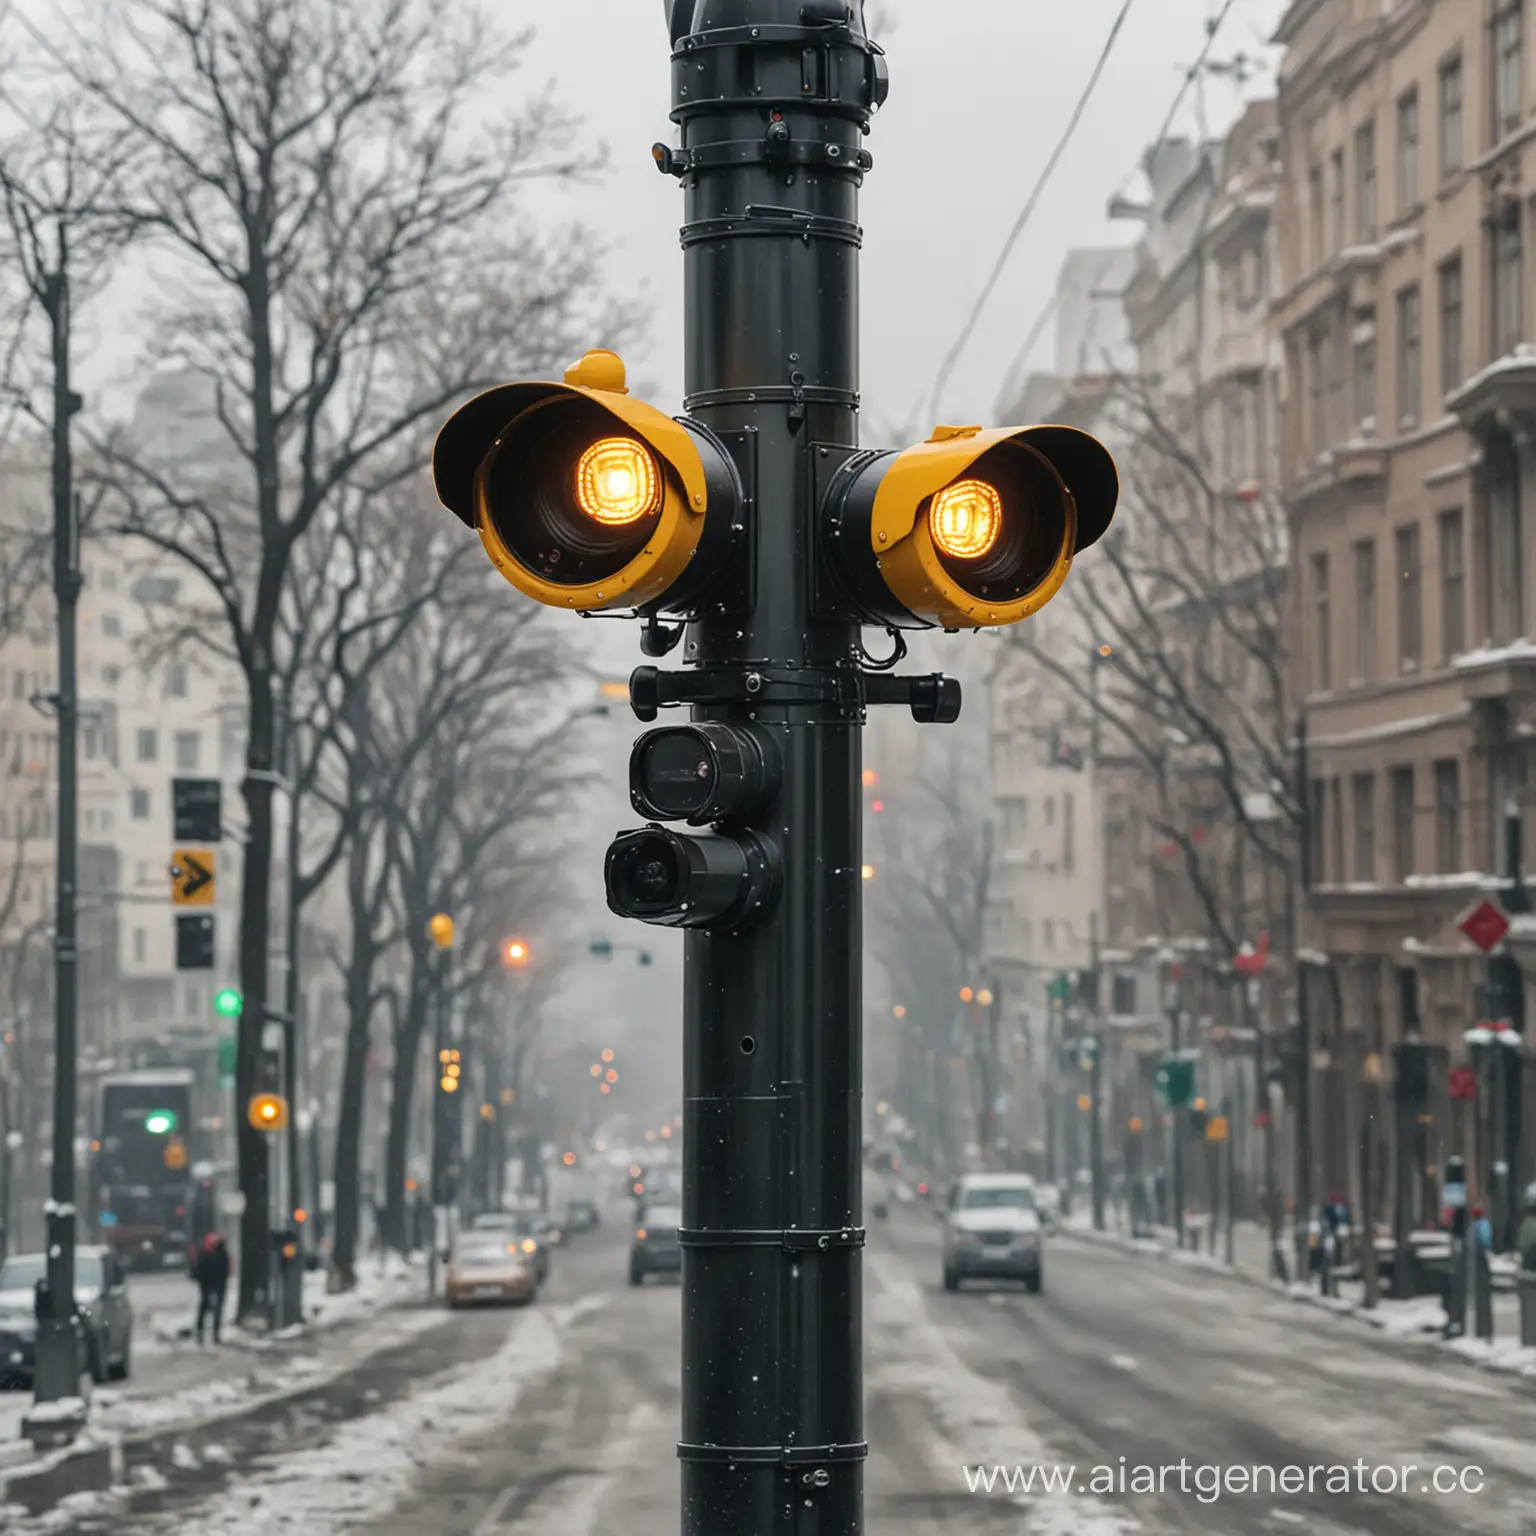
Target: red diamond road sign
[(1485, 925)]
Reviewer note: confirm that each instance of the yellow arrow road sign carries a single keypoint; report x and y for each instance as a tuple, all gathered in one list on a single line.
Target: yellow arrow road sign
[(192, 883)]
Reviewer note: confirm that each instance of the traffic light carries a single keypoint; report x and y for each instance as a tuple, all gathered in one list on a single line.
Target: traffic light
[(1176, 1080), (194, 943), (160, 1122), (227, 1003), (588, 499), (267, 1112), (973, 529)]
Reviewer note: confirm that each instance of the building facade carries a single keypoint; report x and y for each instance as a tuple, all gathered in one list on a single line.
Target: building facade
[(1403, 310)]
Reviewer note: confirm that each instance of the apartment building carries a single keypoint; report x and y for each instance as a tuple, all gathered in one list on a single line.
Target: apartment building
[(1404, 310), (150, 711)]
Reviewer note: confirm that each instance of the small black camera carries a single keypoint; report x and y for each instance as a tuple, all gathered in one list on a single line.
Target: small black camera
[(703, 773), (726, 884)]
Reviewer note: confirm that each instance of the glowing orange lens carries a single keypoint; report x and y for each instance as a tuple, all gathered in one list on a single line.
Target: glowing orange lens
[(965, 519), (618, 481)]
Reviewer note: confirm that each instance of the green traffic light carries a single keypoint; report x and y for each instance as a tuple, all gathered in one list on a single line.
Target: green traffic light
[(228, 1002), (158, 1122)]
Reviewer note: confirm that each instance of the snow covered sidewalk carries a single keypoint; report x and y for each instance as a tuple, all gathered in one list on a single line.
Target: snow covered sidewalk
[(177, 1383), (1418, 1321)]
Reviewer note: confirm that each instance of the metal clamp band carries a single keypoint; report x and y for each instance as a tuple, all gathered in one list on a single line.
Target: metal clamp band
[(803, 227), (835, 34), (774, 1455), (933, 699), (731, 152), (774, 394), (790, 1239)]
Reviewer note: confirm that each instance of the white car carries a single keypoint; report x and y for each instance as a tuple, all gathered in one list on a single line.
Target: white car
[(992, 1230)]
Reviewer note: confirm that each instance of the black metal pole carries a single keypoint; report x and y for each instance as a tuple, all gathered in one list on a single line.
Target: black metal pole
[(772, 1379), (59, 1363), (291, 1036), (1095, 1013), (1300, 888), (439, 1174), (1180, 1112)]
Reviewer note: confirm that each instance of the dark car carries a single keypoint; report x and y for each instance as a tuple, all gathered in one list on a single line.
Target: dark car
[(582, 1216), (101, 1293), (655, 1250)]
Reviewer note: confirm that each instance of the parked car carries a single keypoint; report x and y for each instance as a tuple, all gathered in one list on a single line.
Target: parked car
[(582, 1216), (992, 1228), (101, 1293), (525, 1227), (489, 1266), (655, 1250)]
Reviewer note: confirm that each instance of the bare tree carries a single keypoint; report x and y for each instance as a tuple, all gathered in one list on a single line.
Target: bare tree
[(335, 227), (1184, 680), (930, 909)]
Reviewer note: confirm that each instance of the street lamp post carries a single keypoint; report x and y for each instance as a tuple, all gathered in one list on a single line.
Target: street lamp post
[(441, 931), (58, 1412)]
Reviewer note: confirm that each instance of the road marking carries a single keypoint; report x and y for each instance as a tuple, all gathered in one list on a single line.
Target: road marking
[(1124, 1362), (492, 1517)]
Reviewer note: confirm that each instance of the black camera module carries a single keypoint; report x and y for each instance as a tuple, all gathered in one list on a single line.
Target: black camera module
[(711, 881), (646, 868), (702, 773)]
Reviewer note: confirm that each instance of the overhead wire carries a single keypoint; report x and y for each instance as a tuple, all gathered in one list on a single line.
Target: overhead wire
[(1212, 28), (947, 368)]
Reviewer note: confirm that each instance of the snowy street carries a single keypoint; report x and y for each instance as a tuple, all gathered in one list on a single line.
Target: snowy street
[(562, 1417)]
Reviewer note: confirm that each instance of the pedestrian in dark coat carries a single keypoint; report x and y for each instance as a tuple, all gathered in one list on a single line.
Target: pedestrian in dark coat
[(212, 1283)]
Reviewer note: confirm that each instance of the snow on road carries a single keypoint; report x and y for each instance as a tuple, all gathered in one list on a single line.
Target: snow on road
[(974, 1422), (369, 1464)]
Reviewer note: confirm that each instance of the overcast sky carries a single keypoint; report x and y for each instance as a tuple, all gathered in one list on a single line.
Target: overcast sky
[(980, 91)]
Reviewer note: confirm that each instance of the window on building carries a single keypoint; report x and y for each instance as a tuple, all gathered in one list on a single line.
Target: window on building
[(111, 625), (1506, 546), (1365, 610), (1410, 357), (1322, 640), (1508, 280), (1410, 602), (1336, 869), (1508, 66), (1317, 816), (138, 804), (1450, 117), (141, 872), (1453, 585), (1448, 817), (148, 745), (1317, 392), (176, 680), (189, 751), (1402, 823), (1451, 311), (1318, 230), (1050, 810), (140, 945), (1362, 794), (1365, 368), (1365, 183), (1068, 851), (1407, 151), (1122, 995), (1336, 202), (1048, 933)]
